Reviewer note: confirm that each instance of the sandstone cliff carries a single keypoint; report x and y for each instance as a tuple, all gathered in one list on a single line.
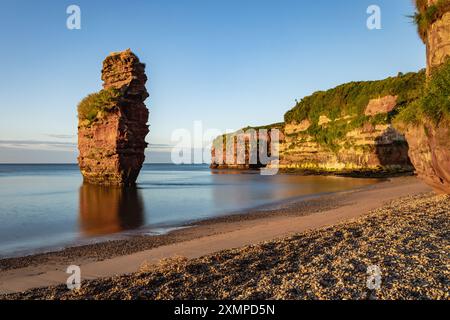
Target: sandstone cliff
[(343, 130), (113, 123), (426, 122)]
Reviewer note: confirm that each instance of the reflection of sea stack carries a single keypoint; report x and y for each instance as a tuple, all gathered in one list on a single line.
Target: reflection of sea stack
[(106, 210), (113, 123)]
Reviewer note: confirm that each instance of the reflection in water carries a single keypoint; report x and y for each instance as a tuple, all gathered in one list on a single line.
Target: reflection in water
[(105, 210)]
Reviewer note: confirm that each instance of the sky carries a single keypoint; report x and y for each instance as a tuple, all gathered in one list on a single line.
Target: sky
[(226, 63)]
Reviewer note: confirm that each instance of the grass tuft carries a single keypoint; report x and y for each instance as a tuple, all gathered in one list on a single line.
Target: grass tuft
[(102, 101)]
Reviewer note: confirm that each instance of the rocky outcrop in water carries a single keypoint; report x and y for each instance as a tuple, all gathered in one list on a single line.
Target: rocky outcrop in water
[(113, 123)]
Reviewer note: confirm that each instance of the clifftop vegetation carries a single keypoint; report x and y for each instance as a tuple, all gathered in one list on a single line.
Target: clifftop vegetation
[(91, 107)]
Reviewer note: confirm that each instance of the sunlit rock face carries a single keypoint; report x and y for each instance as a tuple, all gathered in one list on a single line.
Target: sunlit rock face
[(367, 149), (438, 41), (429, 143), (246, 149), (111, 146)]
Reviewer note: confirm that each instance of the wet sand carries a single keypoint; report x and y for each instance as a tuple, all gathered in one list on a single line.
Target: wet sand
[(127, 256)]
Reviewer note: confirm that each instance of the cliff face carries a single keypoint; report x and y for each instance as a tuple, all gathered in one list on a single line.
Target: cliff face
[(346, 129), (105, 210), (247, 149), (430, 153), (113, 123), (369, 149)]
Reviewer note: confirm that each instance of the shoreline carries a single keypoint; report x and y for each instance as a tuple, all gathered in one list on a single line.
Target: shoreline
[(204, 237)]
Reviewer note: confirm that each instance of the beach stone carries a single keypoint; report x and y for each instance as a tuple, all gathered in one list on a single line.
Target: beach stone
[(111, 148)]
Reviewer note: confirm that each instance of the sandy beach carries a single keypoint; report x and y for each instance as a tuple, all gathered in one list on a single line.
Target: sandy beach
[(300, 219)]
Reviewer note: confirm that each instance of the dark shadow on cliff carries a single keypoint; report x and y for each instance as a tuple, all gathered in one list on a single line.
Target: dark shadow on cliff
[(106, 210)]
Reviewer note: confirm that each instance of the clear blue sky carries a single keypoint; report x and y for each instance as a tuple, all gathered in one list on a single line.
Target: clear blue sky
[(229, 63)]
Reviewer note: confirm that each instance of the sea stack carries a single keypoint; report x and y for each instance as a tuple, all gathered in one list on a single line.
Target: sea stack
[(429, 136), (112, 123)]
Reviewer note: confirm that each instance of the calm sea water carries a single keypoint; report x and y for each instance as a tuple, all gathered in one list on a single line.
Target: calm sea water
[(45, 207)]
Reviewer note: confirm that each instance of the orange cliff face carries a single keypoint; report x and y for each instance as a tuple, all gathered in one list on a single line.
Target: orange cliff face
[(243, 150), (106, 210), (111, 141), (438, 40)]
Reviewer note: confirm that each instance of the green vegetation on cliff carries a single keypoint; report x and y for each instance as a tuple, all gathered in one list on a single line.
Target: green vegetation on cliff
[(352, 98), (102, 101), (427, 15), (434, 102)]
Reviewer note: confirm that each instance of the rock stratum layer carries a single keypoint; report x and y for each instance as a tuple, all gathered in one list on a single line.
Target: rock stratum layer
[(345, 130), (113, 123)]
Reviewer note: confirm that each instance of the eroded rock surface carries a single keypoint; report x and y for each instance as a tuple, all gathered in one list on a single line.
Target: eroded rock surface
[(371, 148), (438, 41), (112, 142)]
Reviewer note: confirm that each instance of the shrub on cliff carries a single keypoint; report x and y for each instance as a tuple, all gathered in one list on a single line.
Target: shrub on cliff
[(105, 100), (435, 101)]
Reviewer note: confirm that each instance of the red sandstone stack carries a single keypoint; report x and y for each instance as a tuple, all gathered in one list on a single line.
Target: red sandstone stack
[(111, 148)]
